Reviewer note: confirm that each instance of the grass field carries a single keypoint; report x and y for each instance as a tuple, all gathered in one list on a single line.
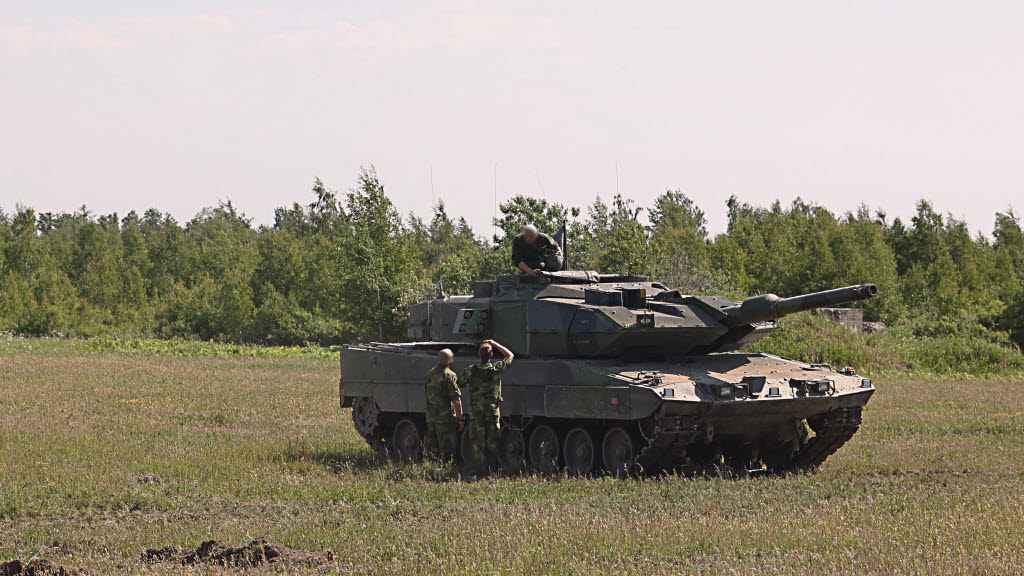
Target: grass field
[(257, 446)]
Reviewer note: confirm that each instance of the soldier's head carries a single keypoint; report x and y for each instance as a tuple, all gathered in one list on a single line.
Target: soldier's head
[(445, 357), (529, 233), (485, 352)]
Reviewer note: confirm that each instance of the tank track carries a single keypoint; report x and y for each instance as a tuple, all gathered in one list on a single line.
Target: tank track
[(836, 429), (666, 448)]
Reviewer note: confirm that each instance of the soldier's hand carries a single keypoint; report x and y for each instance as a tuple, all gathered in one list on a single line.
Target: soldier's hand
[(461, 425), (535, 272)]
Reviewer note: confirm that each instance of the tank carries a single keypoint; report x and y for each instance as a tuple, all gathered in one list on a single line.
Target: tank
[(619, 374)]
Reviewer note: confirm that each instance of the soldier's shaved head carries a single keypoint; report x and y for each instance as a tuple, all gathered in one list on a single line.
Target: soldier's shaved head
[(445, 357)]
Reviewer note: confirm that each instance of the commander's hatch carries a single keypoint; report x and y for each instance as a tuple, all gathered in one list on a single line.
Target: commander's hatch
[(619, 296)]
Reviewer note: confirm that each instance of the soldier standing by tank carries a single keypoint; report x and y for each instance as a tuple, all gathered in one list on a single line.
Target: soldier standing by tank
[(444, 407), (484, 381), (533, 252)]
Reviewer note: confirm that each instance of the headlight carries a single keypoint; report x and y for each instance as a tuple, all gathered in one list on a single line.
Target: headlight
[(814, 387), (866, 383), (725, 391)]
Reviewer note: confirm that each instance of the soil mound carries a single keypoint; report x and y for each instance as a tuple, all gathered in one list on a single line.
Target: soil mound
[(38, 567), (256, 553)]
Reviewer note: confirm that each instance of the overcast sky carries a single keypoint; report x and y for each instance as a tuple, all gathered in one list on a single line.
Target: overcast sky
[(122, 107)]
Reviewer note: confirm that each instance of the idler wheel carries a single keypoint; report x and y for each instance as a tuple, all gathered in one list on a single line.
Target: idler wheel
[(545, 452), (618, 452), (407, 439), (512, 449), (580, 455), (366, 418)]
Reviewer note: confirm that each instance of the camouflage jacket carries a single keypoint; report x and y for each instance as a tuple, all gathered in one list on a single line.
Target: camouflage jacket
[(441, 389), (532, 254), (484, 381)]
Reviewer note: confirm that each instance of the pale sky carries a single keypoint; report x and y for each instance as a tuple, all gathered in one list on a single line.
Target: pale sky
[(117, 106)]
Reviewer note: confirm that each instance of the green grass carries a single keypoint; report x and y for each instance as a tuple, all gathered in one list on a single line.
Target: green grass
[(203, 348), (251, 445)]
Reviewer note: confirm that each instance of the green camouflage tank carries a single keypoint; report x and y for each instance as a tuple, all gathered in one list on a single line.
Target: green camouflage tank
[(618, 373)]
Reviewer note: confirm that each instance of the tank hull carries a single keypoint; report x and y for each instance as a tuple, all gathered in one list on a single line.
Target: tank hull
[(740, 410)]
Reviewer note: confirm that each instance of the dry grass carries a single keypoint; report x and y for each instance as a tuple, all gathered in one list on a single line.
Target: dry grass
[(247, 447)]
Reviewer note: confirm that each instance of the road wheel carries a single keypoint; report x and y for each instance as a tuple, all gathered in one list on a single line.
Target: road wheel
[(739, 457), (407, 439), (618, 452), (512, 449), (579, 452), (545, 453)]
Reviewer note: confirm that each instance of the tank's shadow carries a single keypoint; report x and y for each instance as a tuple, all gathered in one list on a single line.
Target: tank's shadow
[(343, 461), (355, 460), (337, 460)]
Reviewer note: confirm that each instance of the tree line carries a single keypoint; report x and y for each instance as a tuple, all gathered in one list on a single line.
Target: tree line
[(345, 266)]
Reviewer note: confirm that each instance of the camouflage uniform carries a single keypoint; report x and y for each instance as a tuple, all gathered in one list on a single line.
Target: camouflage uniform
[(484, 382), (441, 388), (541, 255)]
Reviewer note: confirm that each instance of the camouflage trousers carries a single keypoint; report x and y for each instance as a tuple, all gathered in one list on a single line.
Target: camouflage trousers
[(441, 439), (484, 431), (549, 263)]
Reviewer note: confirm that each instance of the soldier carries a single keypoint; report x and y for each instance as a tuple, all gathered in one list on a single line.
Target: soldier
[(444, 407), (533, 252), (484, 381)]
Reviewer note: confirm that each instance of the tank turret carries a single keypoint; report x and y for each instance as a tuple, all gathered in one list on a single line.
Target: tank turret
[(585, 314)]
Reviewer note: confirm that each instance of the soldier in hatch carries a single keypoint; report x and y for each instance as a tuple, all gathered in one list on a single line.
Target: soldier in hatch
[(484, 381), (444, 408), (533, 252)]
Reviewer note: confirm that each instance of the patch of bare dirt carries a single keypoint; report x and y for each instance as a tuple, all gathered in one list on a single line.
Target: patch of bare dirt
[(38, 567), (259, 552), (147, 478)]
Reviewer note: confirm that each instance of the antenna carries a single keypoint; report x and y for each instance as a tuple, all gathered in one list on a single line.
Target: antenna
[(440, 287), (542, 192), (433, 200), (616, 177), (495, 215)]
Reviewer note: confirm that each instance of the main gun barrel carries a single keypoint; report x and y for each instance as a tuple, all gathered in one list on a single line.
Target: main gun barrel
[(771, 307)]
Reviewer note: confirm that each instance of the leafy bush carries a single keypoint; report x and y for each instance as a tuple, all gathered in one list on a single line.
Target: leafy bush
[(818, 339), (813, 338)]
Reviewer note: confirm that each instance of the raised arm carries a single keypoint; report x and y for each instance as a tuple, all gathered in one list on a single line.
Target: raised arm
[(501, 349)]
